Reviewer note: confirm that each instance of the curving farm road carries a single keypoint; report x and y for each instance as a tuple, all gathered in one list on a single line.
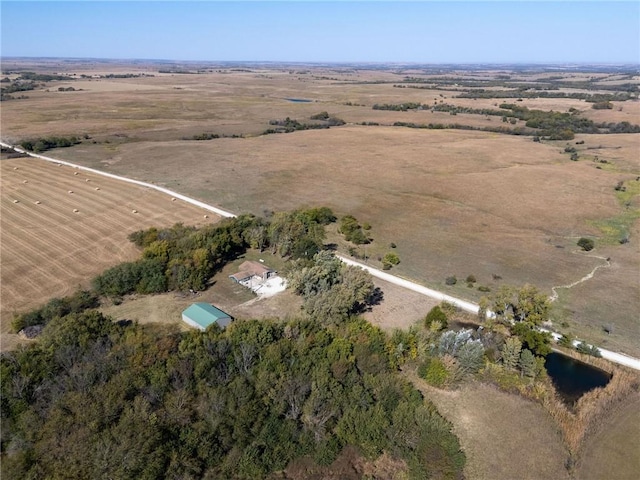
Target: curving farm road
[(615, 357)]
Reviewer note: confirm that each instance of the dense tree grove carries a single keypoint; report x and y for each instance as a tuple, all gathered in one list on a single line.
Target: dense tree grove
[(331, 290), (183, 258), (98, 399)]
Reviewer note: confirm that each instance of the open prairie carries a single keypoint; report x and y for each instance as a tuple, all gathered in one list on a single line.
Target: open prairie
[(455, 202), (49, 249)]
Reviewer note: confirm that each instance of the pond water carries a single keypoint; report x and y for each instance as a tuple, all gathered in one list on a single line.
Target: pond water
[(572, 378), (298, 100)]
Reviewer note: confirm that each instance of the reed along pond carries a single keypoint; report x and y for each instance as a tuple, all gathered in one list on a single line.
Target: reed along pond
[(573, 378)]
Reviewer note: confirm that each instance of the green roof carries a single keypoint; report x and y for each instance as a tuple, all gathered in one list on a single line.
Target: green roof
[(204, 314)]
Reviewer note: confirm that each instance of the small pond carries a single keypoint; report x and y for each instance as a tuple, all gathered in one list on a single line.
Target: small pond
[(572, 378), (298, 100)]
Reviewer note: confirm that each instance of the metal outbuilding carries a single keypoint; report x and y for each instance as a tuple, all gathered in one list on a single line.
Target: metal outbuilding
[(201, 315)]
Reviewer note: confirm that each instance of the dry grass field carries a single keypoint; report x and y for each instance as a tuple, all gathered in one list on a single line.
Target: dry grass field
[(455, 202), (503, 436), (615, 448), (49, 250)]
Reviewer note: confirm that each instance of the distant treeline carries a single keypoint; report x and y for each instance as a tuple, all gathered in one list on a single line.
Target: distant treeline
[(289, 125), (550, 124), (43, 144), (25, 82), (211, 136), (550, 83)]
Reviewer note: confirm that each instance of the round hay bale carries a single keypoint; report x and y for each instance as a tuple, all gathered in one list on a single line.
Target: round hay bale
[(76, 173), (75, 210), (87, 180), (97, 188), (37, 202), (15, 168), (206, 216), (70, 191), (173, 199), (134, 211), (16, 201), (25, 181)]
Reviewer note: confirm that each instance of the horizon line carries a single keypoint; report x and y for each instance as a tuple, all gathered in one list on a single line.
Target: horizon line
[(336, 62)]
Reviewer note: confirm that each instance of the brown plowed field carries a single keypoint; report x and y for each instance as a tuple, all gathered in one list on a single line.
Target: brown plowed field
[(48, 250)]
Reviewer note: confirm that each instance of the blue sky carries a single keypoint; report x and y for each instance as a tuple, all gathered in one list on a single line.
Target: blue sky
[(341, 31)]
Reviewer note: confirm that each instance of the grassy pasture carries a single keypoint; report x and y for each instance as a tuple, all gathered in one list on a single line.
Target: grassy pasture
[(503, 436), (615, 447), (48, 250)]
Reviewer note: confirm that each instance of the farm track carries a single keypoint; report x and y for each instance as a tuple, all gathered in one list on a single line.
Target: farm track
[(588, 276)]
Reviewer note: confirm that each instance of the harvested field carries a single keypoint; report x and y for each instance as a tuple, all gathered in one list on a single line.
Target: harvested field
[(47, 250)]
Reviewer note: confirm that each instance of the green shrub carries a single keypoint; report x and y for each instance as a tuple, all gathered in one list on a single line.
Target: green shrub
[(434, 372), (389, 260), (452, 280), (586, 244), (566, 341), (436, 315)]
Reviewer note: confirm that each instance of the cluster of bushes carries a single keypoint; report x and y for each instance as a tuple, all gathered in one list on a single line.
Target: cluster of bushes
[(509, 354), (449, 356), (125, 75), (582, 347), (620, 127), (353, 231), (606, 105), (131, 401), (57, 307), (210, 136), (43, 144), (289, 125), (555, 125), (325, 117)]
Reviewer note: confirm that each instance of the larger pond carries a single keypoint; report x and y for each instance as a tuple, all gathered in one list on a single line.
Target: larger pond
[(572, 378)]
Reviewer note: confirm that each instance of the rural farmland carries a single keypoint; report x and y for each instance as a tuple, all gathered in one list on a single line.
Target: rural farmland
[(448, 176), (54, 241), (457, 202)]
